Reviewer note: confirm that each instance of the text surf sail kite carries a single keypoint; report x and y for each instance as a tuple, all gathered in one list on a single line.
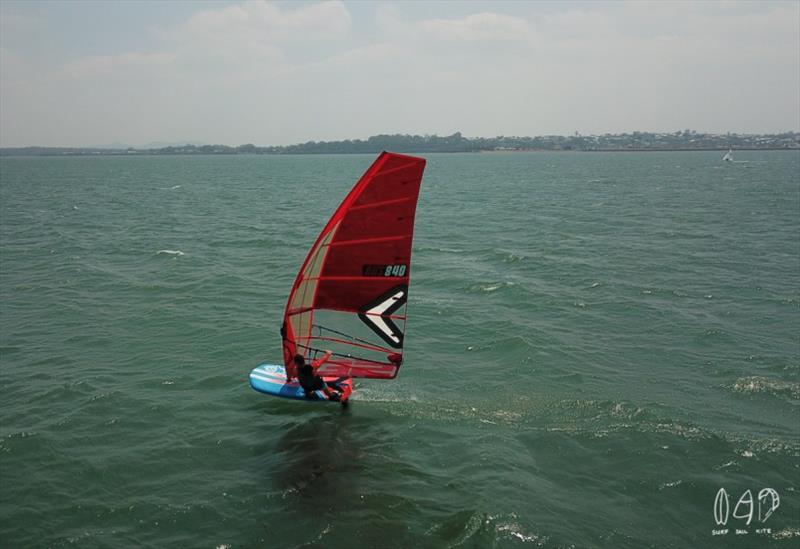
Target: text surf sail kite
[(351, 293)]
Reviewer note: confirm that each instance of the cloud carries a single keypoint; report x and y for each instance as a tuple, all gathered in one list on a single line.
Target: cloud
[(262, 22), (280, 73), (251, 37), (213, 53), (479, 26)]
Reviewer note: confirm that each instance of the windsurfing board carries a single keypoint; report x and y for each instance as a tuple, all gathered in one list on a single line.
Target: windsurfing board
[(270, 379)]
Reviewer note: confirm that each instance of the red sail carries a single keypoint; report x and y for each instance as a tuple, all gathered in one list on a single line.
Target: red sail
[(351, 293)]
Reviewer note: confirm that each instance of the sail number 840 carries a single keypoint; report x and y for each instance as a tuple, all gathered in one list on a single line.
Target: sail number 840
[(385, 270)]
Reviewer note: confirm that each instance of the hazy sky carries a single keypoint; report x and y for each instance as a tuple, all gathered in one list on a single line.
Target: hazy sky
[(271, 73)]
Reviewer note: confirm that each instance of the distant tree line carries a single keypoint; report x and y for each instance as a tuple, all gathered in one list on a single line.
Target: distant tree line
[(636, 141)]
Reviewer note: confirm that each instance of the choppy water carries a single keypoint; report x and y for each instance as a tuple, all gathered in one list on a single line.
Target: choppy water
[(597, 344)]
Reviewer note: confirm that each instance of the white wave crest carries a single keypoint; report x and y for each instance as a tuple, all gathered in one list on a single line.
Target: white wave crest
[(170, 252), (759, 384), (493, 287)]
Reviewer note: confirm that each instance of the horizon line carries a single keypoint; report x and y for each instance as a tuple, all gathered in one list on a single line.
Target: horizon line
[(194, 143)]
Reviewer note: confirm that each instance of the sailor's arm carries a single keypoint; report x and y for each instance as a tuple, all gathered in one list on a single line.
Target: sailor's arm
[(320, 361)]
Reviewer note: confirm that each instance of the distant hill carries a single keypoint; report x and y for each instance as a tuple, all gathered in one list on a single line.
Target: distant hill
[(687, 140), (152, 145), (108, 146), (164, 144)]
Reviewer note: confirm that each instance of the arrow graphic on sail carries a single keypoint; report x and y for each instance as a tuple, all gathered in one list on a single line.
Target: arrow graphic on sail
[(376, 314)]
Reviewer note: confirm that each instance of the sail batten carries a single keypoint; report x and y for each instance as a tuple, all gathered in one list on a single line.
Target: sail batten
[(356, 275), (352, 278), (376, 240), (380, 203)]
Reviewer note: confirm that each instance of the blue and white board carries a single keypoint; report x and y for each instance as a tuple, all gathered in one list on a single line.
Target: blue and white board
[(270, 379)]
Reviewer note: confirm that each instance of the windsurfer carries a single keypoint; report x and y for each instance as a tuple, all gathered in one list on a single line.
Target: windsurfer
[(310, 380)]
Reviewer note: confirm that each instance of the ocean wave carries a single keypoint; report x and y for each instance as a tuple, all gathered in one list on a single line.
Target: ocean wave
[(470, 527), (170, 252), (11, 442), (726, 465), (438, 249), (511, 528), (512, 258), (670, 484), (786, 533), (489, 287), (601, 419), (759, 384)]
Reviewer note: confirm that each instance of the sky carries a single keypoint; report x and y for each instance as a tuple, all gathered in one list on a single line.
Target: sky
[(275, 73)]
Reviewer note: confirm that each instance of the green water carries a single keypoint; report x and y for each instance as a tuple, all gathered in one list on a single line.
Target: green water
[(597, 343)]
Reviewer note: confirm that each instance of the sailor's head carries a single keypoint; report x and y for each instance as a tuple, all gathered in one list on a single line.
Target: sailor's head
[(299, 360)]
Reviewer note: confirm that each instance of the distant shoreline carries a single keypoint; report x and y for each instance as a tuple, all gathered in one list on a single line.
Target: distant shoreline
[(718, 149), (11, 153), (684, 141)]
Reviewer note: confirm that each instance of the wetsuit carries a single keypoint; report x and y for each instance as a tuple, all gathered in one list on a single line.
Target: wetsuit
[(309, 380)]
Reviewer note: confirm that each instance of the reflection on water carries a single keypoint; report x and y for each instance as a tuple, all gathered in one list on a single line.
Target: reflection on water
[(321, 472), (316, 455)]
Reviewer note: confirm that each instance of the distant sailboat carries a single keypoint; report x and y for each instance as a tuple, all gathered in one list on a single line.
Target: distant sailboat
[(728, 156)]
